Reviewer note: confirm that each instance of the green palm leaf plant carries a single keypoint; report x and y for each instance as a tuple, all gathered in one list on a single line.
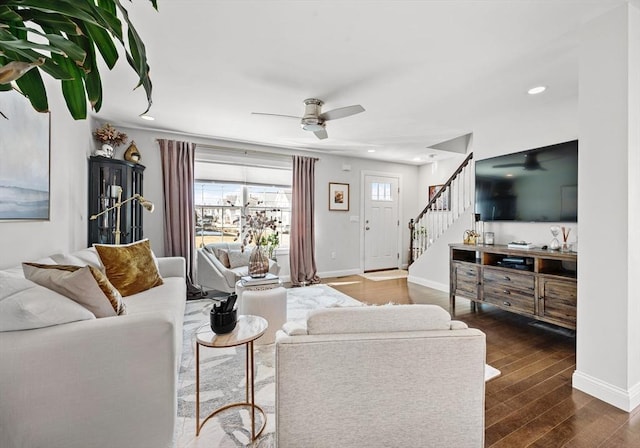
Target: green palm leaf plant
[(62, 39)]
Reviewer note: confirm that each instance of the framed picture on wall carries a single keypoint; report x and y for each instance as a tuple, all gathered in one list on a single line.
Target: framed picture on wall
[(443, 202), (338, 196), (24, 160)]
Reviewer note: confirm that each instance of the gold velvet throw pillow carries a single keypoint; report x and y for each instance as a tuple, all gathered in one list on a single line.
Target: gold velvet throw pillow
[(85, 285), (131, 268)]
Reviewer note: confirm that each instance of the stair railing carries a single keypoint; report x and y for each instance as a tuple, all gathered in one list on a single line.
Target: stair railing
[(442, 210)]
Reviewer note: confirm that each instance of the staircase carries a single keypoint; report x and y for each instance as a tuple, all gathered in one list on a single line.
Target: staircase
[(450, 202)]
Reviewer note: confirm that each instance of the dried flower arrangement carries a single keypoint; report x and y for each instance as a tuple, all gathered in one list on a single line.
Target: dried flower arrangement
[(256, 226), (110, 135)]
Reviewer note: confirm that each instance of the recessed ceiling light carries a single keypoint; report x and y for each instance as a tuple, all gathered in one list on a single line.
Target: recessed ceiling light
[(371, 150), (536, 90), (417, 159), (147, 117)]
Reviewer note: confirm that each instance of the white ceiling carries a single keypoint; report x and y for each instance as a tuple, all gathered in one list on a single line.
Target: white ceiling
[(425, 71)]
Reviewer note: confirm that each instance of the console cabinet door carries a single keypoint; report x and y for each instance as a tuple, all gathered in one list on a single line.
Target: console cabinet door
[(558, 301), (466, 278)]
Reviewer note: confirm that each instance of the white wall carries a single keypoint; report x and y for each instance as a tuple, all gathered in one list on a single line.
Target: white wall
[(334, 230), (608, 343), (66, 229)]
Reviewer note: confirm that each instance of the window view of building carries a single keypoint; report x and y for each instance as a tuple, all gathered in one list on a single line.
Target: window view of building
[(219, 209)]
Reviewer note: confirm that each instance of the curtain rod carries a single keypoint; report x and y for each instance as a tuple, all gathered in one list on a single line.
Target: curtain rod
[(231, 147)]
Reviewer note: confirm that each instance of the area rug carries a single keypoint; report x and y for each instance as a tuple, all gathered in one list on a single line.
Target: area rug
[(385, 275), (222, 378), (222, 374)]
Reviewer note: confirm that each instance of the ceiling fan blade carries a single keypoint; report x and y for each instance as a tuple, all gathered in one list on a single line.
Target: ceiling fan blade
[(275, 115), (509, 165), (321, 134), (342, 112)]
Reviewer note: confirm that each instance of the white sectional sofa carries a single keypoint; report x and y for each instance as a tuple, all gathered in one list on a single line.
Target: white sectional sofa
[(106, 382)]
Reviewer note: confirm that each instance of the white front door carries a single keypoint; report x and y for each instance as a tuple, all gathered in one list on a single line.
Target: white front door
[(381, 225)]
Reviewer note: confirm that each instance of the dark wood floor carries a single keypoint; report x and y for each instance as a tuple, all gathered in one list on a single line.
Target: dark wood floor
[(532, 404)]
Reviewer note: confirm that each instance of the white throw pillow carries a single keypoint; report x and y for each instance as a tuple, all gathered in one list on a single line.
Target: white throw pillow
[(238, 258), (25, 305)]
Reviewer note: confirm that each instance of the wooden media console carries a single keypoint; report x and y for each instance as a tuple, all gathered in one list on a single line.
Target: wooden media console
[(541, 284)]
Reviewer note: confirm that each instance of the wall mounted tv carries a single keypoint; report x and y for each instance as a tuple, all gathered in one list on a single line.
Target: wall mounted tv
[(537, 185)]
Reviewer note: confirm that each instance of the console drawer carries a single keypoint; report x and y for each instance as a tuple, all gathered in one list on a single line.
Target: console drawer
[(509, 298), (508, 280)]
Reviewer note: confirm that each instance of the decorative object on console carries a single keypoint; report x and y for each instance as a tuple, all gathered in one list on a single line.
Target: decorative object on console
[(131, 268), (554, 244), (132, 154), (489, 238), (520, 245), (110, 138), (566, 247), (338, 197), (469, 237), (147, 205), (224, 316)]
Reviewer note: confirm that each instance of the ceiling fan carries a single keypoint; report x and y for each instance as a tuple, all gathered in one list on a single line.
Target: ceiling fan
[(530, 163), (314, 119)]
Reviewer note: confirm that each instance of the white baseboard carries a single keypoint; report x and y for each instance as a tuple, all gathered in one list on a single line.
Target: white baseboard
[(339, 273), (627, 400), (428, 283)]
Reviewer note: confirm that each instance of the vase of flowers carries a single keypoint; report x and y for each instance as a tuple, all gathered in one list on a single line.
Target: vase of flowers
[(258, 262), (110, 137), (257, 225)]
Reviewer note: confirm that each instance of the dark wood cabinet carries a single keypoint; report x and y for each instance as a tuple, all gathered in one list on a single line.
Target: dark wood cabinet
[(543, 286), (104, 175)]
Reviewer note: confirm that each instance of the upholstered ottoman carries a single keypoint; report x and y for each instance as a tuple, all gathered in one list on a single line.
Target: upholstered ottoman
[(265, 301)]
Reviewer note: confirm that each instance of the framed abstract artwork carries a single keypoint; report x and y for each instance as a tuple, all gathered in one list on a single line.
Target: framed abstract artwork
[(338, 197), (24, 160)]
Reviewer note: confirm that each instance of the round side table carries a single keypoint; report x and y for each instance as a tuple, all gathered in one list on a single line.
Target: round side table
[(248, 329)]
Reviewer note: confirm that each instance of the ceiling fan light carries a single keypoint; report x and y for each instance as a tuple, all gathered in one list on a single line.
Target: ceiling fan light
[(313, 127)]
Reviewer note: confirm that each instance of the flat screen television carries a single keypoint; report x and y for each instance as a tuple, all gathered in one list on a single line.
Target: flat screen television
[(537, 185)]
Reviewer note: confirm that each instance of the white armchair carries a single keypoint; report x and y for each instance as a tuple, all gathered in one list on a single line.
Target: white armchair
[(220, 266), (380, 376)]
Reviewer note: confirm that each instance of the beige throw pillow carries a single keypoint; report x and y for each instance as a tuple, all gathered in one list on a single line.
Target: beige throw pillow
[(223, 256), (131, 268), (85, 285)]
